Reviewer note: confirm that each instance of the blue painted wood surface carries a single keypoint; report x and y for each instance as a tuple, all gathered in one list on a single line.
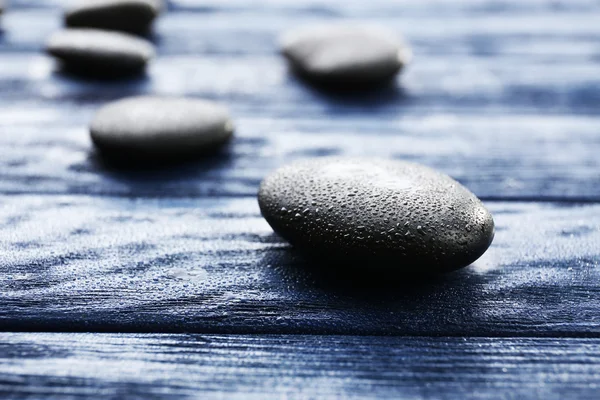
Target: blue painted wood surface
[(502, 95), (110, 366), (214, 265)]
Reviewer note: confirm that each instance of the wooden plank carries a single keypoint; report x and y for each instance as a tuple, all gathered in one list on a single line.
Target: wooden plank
[(518, 157), (538, 63), (80, 263), (476, 32), (356, 8), (42, 365)]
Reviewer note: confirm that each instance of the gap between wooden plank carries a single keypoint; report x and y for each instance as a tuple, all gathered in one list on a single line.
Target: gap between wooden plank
[(574, 201)]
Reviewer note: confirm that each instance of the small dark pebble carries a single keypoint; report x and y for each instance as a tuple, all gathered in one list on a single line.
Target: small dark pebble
[(151, 128), (102, 53), (402, 215), (133, 16), (345, 56)]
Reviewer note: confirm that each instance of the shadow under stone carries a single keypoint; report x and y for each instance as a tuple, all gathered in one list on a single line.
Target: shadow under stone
[(135, 170), (357, 278), (100, 74), (370, 95), (362, 300)]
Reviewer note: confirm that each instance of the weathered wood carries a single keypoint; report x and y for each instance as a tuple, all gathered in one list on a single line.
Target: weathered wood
[(509, 109), (502, 157), (502, 95), (123, 366), (214, 265)]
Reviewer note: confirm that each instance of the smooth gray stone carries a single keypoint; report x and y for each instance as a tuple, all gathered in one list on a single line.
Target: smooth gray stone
[(380, 213), (158, 128), (134, 16), (92, 51), (339, 54)]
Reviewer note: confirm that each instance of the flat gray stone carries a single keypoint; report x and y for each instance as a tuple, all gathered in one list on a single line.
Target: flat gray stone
[(92, 51), (339, 54), (158, 128), (380, 213), (134, 16)]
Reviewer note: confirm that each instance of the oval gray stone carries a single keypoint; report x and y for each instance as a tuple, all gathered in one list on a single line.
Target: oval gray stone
[(92, 51), (345, 54), (159, 128), (381, 213), (133, 16)]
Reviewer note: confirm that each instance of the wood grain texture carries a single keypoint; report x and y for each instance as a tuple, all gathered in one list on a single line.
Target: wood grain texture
[(520, 158), (109, 366), (509, 109), (502, 95), (80, 263)]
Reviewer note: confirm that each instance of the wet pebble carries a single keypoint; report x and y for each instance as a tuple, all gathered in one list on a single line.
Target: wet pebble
[(155, 128), (134, 16), (379, 213), (345, 55), (98, 52)]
